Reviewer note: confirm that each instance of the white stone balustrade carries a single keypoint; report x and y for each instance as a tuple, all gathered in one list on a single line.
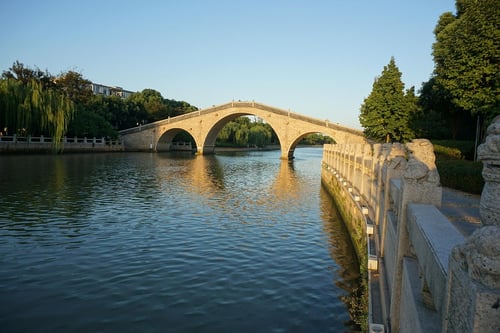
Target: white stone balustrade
[(16, 144), (438, 280)]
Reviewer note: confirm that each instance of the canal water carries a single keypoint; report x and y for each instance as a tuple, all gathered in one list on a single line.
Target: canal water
[(241, 242)]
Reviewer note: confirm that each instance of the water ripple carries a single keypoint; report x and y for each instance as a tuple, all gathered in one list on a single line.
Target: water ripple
[(139, 242)]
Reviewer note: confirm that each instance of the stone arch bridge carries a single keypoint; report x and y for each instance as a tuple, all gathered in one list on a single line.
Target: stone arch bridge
[(205, 125)]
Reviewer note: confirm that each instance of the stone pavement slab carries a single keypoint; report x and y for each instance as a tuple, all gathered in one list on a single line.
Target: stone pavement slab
[(462, 209)]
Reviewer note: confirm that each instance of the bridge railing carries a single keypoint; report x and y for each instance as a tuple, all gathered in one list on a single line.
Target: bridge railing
[(181, 145), (437, 278)]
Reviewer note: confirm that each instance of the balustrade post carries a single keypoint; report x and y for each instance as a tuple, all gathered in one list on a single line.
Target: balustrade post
[(394, 166), (334, 156), (357, 175), (352, 161), (331, 156), (420, 184), (337, 158), (343, 154), (473, 297), (376, 181), (338, 154), (326, 155), (366, 172), (348, 162), (341, 161)]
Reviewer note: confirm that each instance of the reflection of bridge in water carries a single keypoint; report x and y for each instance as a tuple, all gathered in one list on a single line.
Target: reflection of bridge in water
[(205, 125), (205, 175)]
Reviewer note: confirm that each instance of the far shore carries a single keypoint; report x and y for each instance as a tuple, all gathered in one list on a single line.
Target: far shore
[(265, 148), (44, 148)]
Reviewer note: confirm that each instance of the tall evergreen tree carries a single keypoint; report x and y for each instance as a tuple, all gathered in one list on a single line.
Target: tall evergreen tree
[(386, 112)]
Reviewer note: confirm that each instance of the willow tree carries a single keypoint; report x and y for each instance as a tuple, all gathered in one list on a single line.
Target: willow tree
[(27, 108), (259, 135)]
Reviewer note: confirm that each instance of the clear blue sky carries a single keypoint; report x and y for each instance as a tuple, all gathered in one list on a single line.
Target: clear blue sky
[(317, 58)]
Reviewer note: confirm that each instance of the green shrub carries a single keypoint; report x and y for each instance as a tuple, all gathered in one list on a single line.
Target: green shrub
[(448, 152), (461, 174), (455, 165), (451, 147)]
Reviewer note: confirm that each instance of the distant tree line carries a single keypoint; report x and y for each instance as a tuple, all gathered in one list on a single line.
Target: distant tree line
[(462, 95), (244, 132), (35, 102), (459, 100)]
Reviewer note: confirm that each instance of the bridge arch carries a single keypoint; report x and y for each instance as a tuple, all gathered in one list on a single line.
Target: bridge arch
[(291, 148), (211, 137), (205, 125), (165, 139)]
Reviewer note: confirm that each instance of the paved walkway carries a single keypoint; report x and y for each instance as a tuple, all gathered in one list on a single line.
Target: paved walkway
[(462, 209)]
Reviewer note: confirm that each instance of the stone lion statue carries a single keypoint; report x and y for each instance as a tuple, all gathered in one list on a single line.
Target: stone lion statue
[(421, 162)]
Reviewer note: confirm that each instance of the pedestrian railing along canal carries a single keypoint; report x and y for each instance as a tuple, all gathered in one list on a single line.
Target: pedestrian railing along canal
[(15, 143), (431, 277)]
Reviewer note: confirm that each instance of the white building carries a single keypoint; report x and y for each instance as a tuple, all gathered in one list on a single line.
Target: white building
[(100, 89)]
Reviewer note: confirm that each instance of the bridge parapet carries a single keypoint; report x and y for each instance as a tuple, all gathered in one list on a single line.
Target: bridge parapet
[(431, 276)]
